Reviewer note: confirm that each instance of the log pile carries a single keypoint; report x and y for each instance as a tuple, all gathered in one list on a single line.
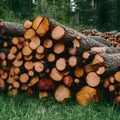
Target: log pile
[(44, 57), (112, 36)]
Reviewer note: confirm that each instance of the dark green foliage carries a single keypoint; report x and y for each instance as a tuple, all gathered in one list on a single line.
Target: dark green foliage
[(117, 14), (103, 15)]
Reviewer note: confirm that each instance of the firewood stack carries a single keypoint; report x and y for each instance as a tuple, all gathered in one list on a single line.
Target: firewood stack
[(112, 36), (45, 57)]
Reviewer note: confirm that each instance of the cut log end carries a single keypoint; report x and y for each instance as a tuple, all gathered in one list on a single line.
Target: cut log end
[(72, 51), (101, 70), (26, 50), (43, 27), (72, 61), (68, 80), (58, 33), (38, 66), (51, 57), (87, 94), (117, 76), (97, 59), (61, 64), (35, 42), (45, 84), (27, 24), (59, 48), (37, 22), (40, 49), (24, 78), (79, 72), (30, 33), (85, 55), (62, 93), (76, 43), (56, 75), (93, 79), (47, 43)]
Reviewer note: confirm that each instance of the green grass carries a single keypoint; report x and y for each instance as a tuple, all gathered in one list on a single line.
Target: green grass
[(24, 107)]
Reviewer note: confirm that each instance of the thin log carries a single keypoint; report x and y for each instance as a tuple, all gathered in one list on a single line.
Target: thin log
[(45, 84), (13, 92), (68, 80), (26, 50), (17, 40), (51, 57), (60, 64), (88, 56), (59, 48), (28, 65), (30, 33), (16, 84), (38, 66), (47, 43), (92, 67), (79, 72), (56, 75), (72, 50), (17, 63), (5, 74), (35, 42), (34, 80), (40, 49), (24, 78), (72, 61), (117, 76), (39, 56), (27, 24), (93, 79)]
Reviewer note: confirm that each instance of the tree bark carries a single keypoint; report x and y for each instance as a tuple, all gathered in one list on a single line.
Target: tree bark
[(11, 29), (111, 63), (101, 40)]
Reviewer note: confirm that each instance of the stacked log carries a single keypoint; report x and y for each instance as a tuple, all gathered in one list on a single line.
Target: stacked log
[(44, 57), (112, 36)]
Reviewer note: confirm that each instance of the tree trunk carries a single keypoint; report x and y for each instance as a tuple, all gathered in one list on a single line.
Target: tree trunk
[(11, 29)]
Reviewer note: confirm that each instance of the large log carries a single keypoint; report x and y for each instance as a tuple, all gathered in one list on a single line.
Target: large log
[(11, 29), (111, 62), (68, 36), (101, 40)]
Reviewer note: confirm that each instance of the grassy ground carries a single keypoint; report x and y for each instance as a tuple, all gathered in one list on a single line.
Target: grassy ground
[(23, 107)]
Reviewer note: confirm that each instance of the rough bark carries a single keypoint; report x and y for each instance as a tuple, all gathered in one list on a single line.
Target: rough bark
[(101, 40), (11, 29), (109, 50), (111, 63)]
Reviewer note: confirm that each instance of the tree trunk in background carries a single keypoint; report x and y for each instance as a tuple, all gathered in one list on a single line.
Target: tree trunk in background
[(105, 15), (54, 9), (118, 14), (101, 14)]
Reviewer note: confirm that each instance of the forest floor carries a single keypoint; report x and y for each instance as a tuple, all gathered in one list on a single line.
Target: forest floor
[(24, 107)]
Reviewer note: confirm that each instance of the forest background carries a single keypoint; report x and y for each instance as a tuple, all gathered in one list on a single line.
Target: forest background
[(103, 15)]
